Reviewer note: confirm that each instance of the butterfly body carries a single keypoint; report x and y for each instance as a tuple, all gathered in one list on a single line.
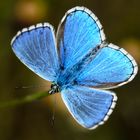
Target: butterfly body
[(69, 76), (54, 88), (79, 63)]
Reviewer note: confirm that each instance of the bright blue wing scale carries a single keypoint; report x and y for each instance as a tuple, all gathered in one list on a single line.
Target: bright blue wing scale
[(111, 67), (90, 107), (36, 49), (79, 32)]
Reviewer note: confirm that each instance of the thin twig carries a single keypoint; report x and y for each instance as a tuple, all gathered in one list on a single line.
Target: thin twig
[(26, 99)]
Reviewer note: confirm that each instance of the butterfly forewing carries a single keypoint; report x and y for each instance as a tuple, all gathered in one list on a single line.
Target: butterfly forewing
[(90, 107), (35, 47)]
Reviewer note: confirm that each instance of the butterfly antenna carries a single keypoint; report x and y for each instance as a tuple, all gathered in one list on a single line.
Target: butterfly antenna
[(28, 87), (53, 111)]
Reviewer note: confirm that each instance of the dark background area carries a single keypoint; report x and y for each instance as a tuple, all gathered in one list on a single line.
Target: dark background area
[(121, 22)]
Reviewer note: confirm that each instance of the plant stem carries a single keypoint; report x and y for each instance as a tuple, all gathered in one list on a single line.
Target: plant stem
[(26, 99)]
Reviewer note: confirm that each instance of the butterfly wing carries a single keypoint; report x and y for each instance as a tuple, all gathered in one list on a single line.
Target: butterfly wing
[(35, 47), (78, 32), (90, 107), (112, 67)]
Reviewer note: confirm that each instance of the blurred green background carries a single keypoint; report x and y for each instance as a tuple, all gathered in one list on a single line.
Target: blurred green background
[(121, 21)]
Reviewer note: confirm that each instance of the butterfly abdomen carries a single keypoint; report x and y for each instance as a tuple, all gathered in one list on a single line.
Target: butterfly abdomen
[(68, 76)]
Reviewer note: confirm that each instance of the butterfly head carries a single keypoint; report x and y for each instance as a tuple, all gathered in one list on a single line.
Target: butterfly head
[(54, 88)]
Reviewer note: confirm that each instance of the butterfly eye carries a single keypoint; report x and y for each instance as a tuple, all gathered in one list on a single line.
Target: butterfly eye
[(52, 85)]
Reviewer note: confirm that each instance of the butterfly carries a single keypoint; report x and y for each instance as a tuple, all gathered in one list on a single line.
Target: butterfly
[(79, 62)]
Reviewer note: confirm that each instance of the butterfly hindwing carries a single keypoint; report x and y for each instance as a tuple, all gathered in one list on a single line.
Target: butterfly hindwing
[(35, 47), (90, 107), (112, 67), (78, 32)]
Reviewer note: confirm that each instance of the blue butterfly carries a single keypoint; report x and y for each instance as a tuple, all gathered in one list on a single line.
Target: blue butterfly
[(79, 63)]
